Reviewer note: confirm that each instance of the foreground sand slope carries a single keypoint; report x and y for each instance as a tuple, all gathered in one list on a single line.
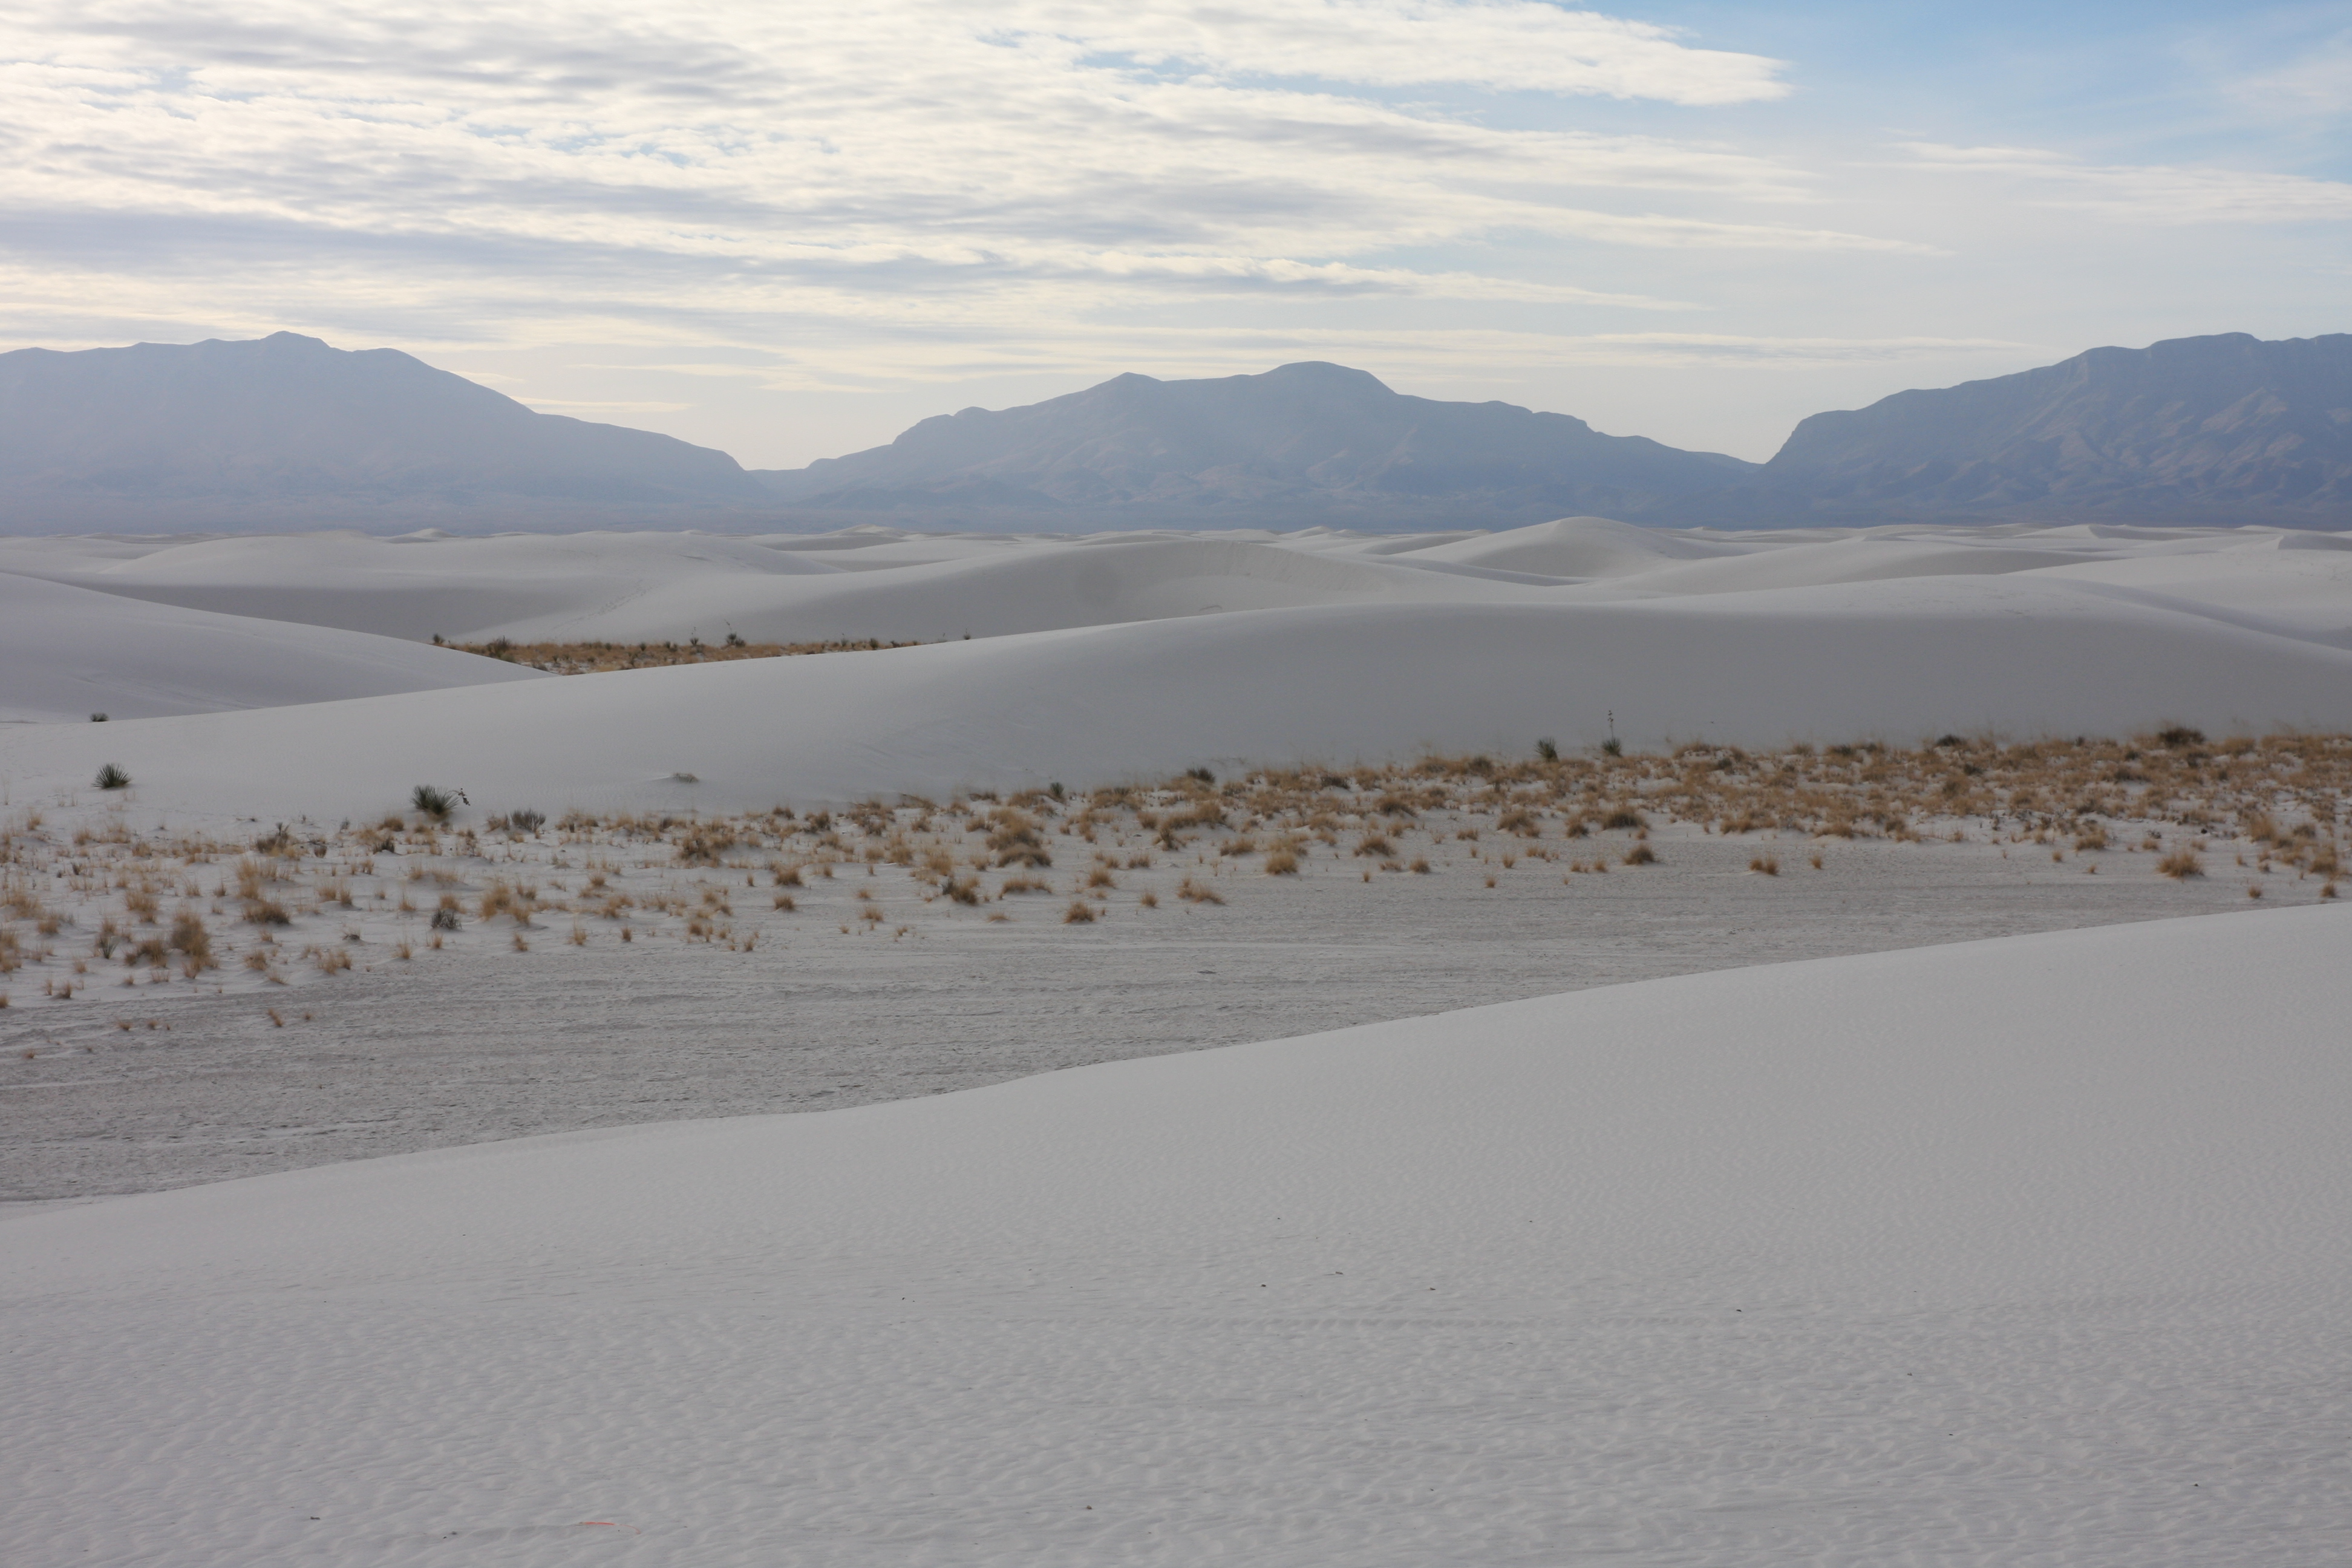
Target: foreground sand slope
[(1904, 660), (67, 652), (2033, 1250)]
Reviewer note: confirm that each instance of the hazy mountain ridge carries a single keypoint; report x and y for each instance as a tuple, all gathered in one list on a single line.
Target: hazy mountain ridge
[(2226, 428), (286, 432), (1257, 449), (286, 427)]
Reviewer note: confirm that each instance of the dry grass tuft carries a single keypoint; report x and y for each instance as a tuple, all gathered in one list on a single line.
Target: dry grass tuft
[(1079, 913), (1766, 865), (1014, 838), (703, 844), (1193, 892), (2181, 865), (1281, 862), (190, 939), (1640, 855)]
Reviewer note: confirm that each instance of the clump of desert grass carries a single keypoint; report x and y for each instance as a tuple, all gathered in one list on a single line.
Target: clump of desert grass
[(1765, 865), (2181, 865), (1197, 892), (1015, 839), (1079, 913)]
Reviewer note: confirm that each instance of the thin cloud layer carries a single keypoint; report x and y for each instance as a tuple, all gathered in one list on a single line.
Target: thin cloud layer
[(2154, 194), (908, 145)]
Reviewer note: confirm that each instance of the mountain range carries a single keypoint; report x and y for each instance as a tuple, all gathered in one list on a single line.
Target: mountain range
[(286, 432)]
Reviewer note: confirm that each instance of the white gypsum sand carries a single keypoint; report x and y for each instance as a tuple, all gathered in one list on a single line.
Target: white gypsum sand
[(2031, 1249), (67, 652), (879, 583), (1901, 661)]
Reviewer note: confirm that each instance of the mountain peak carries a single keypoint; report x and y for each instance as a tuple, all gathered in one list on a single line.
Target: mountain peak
[(252, 431), (1308, 441), (2226, 428)]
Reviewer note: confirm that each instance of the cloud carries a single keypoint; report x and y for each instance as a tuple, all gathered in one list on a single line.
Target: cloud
[(1512, 44), (2316, 83), (2154, 194), (830, 152)]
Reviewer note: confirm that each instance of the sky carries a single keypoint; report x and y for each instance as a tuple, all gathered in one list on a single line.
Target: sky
[(790, 230)]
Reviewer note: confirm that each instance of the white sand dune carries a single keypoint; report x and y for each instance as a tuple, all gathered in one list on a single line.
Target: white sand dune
[(1903, 660), (1378, 645), (1585, 547), (67, 652), (1040, 586), (882, 583), (414, 587), (2028, 1250), (2298, 583)]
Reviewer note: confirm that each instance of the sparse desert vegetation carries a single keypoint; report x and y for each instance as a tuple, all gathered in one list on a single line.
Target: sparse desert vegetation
[(101, 896), (597, 657)]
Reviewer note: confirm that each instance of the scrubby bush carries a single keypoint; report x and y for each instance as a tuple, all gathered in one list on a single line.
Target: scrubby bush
[(428, 801), (112, 777)]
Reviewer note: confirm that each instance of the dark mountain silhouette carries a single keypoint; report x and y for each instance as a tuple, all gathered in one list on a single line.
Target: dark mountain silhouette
[(2222, 430), (1302, 443), (285, 430)]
